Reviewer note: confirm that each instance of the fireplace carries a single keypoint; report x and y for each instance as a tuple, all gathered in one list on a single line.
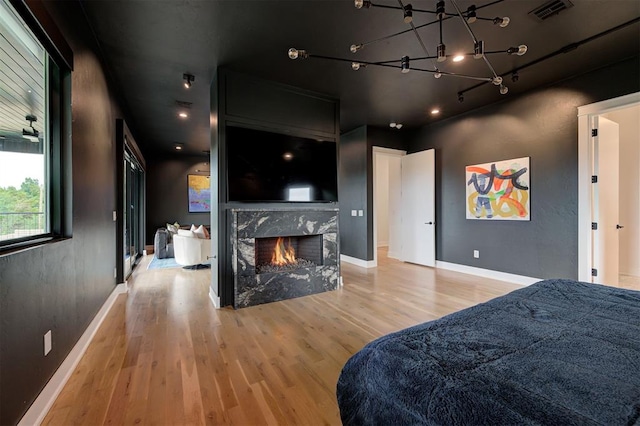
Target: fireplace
[(287, 253), (281, 254)]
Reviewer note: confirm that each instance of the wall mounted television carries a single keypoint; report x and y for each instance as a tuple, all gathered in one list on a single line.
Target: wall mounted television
[(274, 167)]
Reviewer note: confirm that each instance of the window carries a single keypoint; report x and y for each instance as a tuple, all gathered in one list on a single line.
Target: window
[(30, 139)]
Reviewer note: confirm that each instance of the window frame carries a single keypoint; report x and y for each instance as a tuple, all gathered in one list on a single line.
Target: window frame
[(57, 150)]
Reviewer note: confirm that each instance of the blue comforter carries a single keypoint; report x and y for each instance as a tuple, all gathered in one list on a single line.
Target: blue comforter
[(556, 352)]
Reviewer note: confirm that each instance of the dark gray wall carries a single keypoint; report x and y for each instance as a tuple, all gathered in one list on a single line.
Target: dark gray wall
[(352, 192), (242, 100), (167, 193), (61, 286), (541, 125), (356, 185)]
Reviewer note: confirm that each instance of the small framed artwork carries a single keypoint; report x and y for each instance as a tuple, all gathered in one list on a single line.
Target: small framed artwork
[(199, 193), (499, 190)]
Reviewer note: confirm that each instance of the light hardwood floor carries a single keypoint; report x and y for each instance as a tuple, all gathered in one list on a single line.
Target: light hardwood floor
[(164, 355)]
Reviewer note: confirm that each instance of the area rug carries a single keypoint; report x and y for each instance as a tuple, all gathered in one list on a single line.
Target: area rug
[(170, 262)]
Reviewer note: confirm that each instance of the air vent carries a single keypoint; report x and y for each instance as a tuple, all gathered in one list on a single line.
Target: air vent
[(550, 8)]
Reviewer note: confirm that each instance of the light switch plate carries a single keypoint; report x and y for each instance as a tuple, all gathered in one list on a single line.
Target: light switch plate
[(476, 254), (354, 213), (47, 342), (360, 212)]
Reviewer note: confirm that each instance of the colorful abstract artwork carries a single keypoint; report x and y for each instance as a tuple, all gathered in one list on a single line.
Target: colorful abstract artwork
[(499, 190), (199, 193)]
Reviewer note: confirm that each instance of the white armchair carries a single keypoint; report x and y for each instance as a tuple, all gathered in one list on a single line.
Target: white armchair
[(191, 251)]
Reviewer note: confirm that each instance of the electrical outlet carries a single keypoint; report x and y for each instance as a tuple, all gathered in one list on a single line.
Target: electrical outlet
[(476, 254), (47, 342), (360, 212), (354, 213)]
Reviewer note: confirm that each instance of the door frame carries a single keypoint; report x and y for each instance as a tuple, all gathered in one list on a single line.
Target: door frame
[(378, 150), (586, 114)]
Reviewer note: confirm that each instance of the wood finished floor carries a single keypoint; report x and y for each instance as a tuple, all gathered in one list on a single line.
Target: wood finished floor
[(165, 356)]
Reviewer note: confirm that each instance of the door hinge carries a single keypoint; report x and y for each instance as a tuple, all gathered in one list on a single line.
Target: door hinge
[(594, 226), (594, 132), (594, 179), (594, 272)]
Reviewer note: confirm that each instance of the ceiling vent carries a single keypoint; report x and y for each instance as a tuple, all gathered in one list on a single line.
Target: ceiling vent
[(549, 9)]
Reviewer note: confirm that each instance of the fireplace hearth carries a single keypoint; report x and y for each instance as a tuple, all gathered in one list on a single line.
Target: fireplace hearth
[(282, 254)]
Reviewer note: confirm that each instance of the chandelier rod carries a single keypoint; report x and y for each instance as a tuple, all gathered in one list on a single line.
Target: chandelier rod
[(415, 31)]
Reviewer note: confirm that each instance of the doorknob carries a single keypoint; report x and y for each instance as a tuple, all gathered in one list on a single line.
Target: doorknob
[(428, 223), (619, 226)]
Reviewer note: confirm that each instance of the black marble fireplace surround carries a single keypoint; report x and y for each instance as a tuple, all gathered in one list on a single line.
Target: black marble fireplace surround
[(317, 242)]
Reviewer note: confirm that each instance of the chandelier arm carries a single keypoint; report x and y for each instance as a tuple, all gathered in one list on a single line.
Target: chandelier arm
[(415, 31), (333, 58), (385, 37), (451, 74)]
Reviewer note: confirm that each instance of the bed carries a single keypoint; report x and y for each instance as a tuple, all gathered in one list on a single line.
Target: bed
[(556, 352)]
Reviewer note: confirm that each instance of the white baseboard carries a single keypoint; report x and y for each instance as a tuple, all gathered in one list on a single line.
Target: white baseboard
[(393, 255), (215, 300), (40, 407), (358, 262), (487, 273)]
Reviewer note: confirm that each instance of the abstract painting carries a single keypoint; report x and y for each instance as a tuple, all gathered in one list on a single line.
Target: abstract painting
[(499, 190), (199, 193)]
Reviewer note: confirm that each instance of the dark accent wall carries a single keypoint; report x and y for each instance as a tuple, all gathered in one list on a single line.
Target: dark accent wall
[(355, 185), (242, 100), (167, 193), (542, 125), (61, 286)]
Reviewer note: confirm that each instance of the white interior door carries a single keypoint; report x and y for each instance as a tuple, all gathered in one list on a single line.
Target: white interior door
[(606, 201), (418, 208)]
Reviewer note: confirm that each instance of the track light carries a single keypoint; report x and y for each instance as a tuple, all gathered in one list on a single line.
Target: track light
[(359, 4), (188, 80), (504, 89), (471, 14), (408, 14), (442, 53), (502, 22), (478, 49), (404, 64), (515, 77), (296, 53), (460, 97)]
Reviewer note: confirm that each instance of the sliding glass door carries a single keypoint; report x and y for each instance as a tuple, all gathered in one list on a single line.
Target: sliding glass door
[(132, 212)]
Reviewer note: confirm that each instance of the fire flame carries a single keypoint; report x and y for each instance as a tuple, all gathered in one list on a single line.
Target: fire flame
[(283, 254)]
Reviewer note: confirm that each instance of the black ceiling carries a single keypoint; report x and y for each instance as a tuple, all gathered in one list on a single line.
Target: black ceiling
[(148, 45)]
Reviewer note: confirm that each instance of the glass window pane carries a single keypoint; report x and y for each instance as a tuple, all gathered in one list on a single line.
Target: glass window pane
[(23, 130)]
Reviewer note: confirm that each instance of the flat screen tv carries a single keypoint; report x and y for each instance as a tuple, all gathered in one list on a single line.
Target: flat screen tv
[(266, 166)]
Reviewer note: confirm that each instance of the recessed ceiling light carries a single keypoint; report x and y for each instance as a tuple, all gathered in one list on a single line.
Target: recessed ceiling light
[(458, 58), (287, 156), (178, 147), (183, 115), (435, 111)]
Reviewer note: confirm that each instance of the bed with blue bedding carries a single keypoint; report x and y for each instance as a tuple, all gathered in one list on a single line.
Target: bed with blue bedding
[(556, 352)]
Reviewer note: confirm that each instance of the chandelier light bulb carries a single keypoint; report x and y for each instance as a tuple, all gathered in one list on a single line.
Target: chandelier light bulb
[(355, 47), (437, 74), (458, 58), (355, 66), (404, 64), (502, 22), (522, 49), (398, 126), (504, 89), (497, 80), (471, 14), (358, 4), (293, 53), (392, 124), (408, 14)]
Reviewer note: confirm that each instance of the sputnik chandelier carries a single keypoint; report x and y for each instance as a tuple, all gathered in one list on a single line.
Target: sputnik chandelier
[(405, 64)]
